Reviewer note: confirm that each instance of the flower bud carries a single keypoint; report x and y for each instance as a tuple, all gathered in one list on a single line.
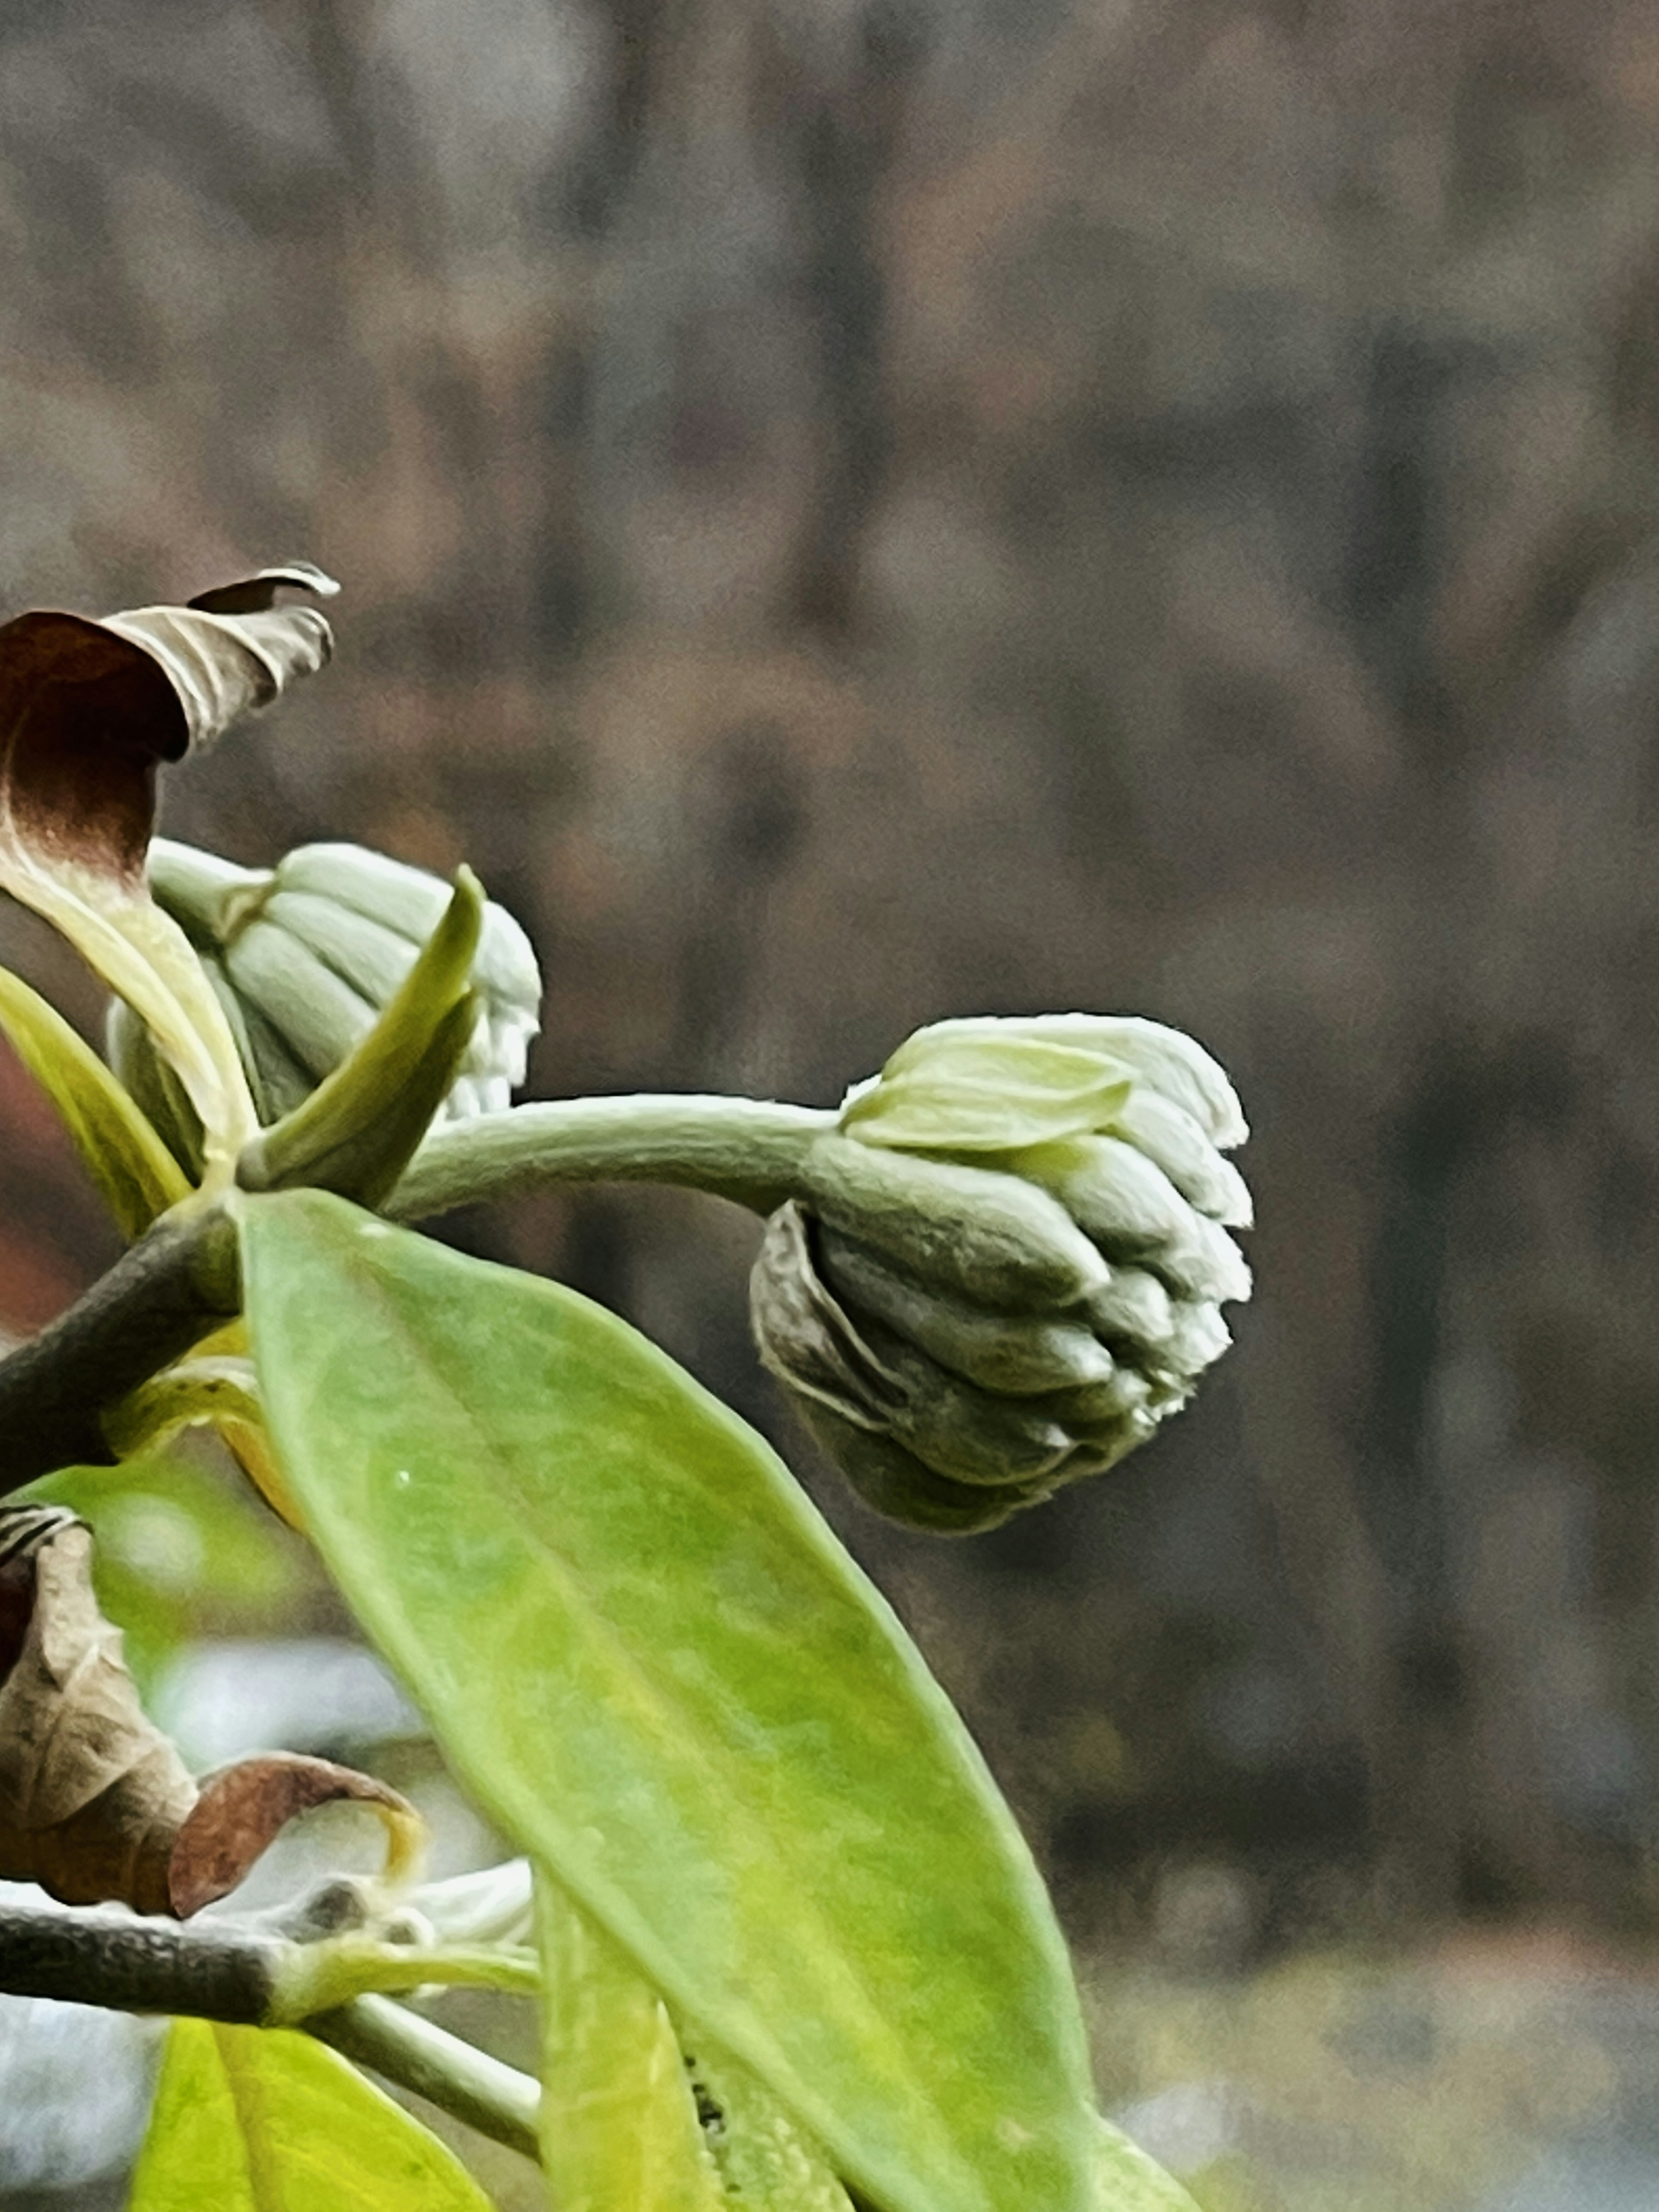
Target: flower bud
[(1006, 1266), (305, 955)]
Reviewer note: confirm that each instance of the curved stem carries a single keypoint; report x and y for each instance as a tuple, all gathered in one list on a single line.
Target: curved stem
[(745, 1149), (456, 2076)]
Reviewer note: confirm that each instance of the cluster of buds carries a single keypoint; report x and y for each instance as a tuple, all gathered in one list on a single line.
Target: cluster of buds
[(1000, 1266), (1006, 1264), (303, 958)]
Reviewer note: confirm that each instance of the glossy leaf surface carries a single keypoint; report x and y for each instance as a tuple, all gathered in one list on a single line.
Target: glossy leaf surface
[(249, 2119), (652, 1661)]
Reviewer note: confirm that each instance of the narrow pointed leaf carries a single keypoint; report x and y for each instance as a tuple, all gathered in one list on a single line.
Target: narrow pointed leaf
[(249, 2119), (620, 2130), (132, 1167), (360, 1128), (88, 711), (650, 1660)]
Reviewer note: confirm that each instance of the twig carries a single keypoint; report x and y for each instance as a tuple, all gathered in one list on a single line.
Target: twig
[(247, 1977), (213, 1970), (157, 1300)]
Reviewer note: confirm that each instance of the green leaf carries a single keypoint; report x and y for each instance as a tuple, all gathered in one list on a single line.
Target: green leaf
[(252, 2119), (216, 1388), (655, 1665), (137, 1176), (620, 2130)]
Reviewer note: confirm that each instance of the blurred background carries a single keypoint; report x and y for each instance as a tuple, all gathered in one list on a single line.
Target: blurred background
[(858, 510)]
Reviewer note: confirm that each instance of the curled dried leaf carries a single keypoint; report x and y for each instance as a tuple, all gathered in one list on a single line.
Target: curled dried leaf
[(88, 711), (244, 1808), (96, 1803), (92, 1793)]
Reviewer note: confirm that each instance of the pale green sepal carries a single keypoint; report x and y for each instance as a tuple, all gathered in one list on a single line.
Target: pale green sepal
[(208, 897), (253, 2119), (1173, 1063), (984, 1095), (137, 1175), (1018, 1354), (360, 1128), (620, 2130)]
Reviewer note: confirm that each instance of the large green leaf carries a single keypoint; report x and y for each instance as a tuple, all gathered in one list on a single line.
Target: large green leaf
[(633, 2120), (250, 2119), (764, 2161), (653, 1662)]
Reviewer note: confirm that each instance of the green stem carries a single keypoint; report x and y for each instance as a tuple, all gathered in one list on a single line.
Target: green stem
[(456, 2077), (749, 1150)]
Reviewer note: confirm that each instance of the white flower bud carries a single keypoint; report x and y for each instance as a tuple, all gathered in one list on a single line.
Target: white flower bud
[(305, 955), (1007, 1266)]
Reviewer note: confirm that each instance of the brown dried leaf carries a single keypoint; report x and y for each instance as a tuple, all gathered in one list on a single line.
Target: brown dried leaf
[(245, 1808), (88, 711), (92, 1793), (96, 1803)]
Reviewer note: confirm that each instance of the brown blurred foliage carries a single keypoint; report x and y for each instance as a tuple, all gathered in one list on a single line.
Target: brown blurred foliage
[(863, 510)]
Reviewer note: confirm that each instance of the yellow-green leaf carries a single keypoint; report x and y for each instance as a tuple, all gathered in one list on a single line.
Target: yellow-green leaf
[(653, 1663), (134, 1171), (250, 2119), (620, 2130), (766, 2162)]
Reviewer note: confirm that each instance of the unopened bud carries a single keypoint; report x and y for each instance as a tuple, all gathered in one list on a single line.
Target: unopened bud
[(1007, 1267), (305, 957)]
